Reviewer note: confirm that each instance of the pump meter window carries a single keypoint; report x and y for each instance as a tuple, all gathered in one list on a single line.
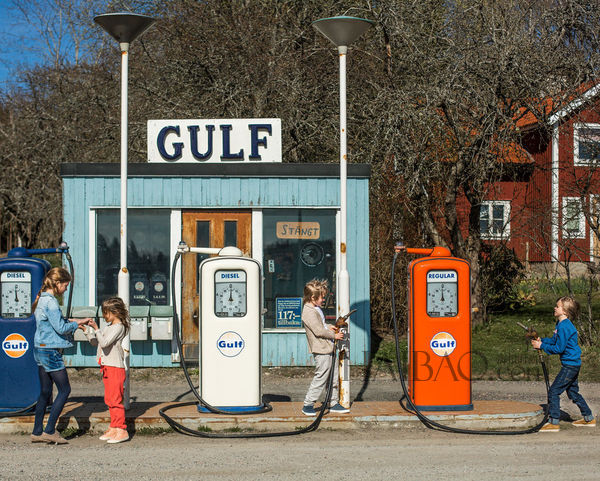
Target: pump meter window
[(16, 294), (230, 293), (442, 293)]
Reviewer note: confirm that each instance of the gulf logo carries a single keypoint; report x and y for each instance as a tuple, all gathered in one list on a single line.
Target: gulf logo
[(15, 345), (442, 344), (230, 344)]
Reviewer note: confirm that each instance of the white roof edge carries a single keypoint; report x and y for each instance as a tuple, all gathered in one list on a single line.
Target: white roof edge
[(575, 104)]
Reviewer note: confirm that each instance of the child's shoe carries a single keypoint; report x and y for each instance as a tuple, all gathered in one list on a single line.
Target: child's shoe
[(550, 428), (53, 438), (119, 436), (37, 438), (583, 422), (309, 411), (338, 409), (107, 435)]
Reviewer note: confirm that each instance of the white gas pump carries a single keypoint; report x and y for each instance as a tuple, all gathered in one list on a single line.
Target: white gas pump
[(230, 331)]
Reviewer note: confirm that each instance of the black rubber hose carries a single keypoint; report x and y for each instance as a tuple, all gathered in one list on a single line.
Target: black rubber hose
[(435, 425), (72, 270), (192, 432)]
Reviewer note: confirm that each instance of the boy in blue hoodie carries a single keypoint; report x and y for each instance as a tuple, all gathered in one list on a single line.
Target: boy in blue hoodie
[(564, 343)]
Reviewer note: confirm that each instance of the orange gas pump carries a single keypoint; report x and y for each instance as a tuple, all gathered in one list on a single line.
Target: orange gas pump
[(439, 331)]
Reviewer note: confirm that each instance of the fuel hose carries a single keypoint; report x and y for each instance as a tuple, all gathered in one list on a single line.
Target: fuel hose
[(412, 408), (178, 427)]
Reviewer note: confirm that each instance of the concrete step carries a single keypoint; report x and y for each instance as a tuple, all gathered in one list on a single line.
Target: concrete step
[(286, 416)]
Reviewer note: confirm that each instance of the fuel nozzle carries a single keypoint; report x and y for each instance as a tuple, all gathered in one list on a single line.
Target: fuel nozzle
[(341, 321), (530, 332)]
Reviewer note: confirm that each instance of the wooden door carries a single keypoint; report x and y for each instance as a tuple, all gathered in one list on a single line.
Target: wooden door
[(207, 229)]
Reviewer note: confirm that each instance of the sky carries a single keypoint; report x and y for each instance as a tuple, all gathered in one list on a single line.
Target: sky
[(13, 51)]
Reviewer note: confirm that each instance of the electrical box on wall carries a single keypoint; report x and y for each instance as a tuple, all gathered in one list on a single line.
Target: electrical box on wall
[(161, 320), (139, 317)]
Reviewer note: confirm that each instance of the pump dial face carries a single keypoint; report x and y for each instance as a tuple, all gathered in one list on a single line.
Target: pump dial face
[(16, 296), (230, 294), (442, 294)]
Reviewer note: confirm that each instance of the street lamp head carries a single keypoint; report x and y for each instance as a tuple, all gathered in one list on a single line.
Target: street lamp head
[(342, 31), (124, 27)]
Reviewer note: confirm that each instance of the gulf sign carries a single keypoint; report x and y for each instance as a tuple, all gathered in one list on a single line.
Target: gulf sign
[(230, 344), (442, 344), (214, 140), (15, 345)]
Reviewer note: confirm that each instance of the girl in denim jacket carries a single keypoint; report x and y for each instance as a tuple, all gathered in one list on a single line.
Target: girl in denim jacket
[(53, 333)]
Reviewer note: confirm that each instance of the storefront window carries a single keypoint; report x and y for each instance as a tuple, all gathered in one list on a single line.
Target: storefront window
[(148, 233), (298, 246)]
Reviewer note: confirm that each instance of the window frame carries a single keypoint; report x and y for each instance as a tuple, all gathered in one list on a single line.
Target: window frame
[(580, 233), (576, 138), (175, 237), (489, 204)]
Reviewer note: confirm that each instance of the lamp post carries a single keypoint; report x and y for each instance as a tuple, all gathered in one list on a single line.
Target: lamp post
[(124, 27), (342, 31)]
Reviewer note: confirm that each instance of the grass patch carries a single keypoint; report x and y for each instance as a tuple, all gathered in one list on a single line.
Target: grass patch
[(152, 431), (499, 350), (72, 432)]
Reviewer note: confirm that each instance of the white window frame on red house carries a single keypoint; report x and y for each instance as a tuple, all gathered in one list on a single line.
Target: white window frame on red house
[(487, 206), (579, 219), (576, 140)]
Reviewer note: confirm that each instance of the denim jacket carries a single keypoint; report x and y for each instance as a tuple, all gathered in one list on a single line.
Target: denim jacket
[(52, 331)]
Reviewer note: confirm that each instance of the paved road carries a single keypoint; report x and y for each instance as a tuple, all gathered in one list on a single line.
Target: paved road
[(373, 454), (382, 454)]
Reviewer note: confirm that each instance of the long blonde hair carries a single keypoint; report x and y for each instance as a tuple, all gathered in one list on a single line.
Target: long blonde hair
[(117, 308), (54, 277)]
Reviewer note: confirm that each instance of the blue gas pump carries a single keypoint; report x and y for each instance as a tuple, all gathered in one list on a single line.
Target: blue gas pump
[(21, 278)]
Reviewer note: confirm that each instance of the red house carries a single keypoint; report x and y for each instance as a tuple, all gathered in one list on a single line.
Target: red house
[(549, 210)]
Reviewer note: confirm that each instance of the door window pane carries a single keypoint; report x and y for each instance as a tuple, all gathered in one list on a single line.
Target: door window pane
[(148, 255), (230, 233), (298, 246), (202, 240)]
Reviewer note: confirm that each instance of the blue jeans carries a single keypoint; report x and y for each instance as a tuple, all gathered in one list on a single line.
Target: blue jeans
[(50, 359), (566, 380), (51, 370)]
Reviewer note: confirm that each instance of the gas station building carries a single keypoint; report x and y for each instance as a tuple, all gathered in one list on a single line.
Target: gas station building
[(284, 215)]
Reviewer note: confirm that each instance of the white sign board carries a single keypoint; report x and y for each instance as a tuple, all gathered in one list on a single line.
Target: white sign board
[(214, 140)]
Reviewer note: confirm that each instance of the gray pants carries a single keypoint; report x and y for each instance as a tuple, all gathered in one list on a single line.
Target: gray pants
[(319, 382)]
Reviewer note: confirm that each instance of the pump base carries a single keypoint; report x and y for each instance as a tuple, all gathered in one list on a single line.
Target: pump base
[(459, 407), (235, 409)]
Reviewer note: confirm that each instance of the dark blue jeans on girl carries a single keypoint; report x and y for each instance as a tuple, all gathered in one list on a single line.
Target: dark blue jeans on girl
[(566, 380), (51, 369)]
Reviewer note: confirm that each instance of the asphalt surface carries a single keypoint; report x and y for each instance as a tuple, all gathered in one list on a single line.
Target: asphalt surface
[(411, 453)]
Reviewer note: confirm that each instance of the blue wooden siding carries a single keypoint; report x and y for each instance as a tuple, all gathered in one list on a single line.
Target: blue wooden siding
[(82, 193)]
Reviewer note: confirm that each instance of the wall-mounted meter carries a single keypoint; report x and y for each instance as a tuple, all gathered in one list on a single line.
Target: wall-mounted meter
[(230, 332), (15, 300), (439, 364)]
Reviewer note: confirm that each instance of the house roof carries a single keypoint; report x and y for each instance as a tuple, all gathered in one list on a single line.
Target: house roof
[(555, 108)]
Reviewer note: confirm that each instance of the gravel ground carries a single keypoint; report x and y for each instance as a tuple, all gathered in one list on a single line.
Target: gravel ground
[(376, 454)]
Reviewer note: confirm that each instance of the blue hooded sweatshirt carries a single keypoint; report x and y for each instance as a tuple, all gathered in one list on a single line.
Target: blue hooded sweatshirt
[(564, 342)]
